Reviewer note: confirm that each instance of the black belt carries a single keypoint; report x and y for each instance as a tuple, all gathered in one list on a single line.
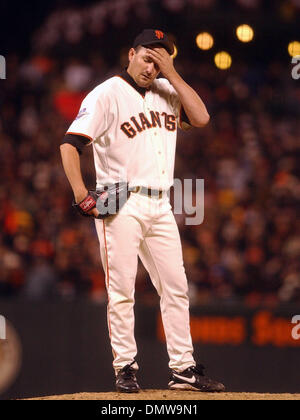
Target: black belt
[(150, 192)]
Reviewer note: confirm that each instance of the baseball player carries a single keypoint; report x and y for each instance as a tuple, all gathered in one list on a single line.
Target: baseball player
[(131, 121)]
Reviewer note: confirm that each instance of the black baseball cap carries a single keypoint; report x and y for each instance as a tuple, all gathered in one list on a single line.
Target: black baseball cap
[(154, 36)]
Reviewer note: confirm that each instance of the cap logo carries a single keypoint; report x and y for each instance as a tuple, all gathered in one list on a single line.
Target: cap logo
[(159, 34)]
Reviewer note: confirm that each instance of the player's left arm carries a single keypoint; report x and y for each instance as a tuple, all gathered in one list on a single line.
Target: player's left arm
[(192, 103)]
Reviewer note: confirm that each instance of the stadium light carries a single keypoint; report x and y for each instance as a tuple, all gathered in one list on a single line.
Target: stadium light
[(244, 33), (204, 41), (175, 52), (294, 48), (223, 60)]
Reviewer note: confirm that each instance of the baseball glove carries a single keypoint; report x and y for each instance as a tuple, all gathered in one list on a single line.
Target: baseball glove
[(87, 204), (107, 201)]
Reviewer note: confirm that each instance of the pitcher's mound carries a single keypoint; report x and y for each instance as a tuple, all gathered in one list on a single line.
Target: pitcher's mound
[(156, 394)]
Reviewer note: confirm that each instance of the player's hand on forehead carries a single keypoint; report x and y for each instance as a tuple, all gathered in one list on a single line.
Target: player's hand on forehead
[(162, 58), (146, 55), (158, 54), (158, 50)]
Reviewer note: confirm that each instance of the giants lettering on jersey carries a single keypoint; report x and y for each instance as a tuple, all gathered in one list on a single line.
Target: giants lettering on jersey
[(141, 123)]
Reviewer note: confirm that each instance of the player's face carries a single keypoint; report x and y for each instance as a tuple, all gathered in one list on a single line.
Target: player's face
[(141, 67)]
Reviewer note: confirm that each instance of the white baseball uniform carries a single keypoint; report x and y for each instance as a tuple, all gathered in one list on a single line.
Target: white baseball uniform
[(133, 133)]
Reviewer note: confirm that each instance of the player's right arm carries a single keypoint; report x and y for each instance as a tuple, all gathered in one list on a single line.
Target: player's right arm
[(71, 164), (88, 125)]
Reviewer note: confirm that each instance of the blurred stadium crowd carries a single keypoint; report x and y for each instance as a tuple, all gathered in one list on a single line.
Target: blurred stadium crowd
[(248, 247)]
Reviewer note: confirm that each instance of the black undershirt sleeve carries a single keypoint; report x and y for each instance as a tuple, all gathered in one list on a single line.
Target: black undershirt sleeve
[(76, 140), (184, 117), (185, 122)]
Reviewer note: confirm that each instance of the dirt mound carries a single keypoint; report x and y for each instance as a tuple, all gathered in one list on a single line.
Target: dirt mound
[(156, 394)]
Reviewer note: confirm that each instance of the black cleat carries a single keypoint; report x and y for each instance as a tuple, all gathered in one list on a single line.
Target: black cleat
[(126, 380), (193, 379)]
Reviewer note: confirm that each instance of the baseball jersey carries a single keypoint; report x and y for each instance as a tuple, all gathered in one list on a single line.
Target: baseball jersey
[(132, 130)]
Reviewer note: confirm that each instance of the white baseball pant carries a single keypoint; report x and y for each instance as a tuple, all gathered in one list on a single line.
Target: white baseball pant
[(145, 227)]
